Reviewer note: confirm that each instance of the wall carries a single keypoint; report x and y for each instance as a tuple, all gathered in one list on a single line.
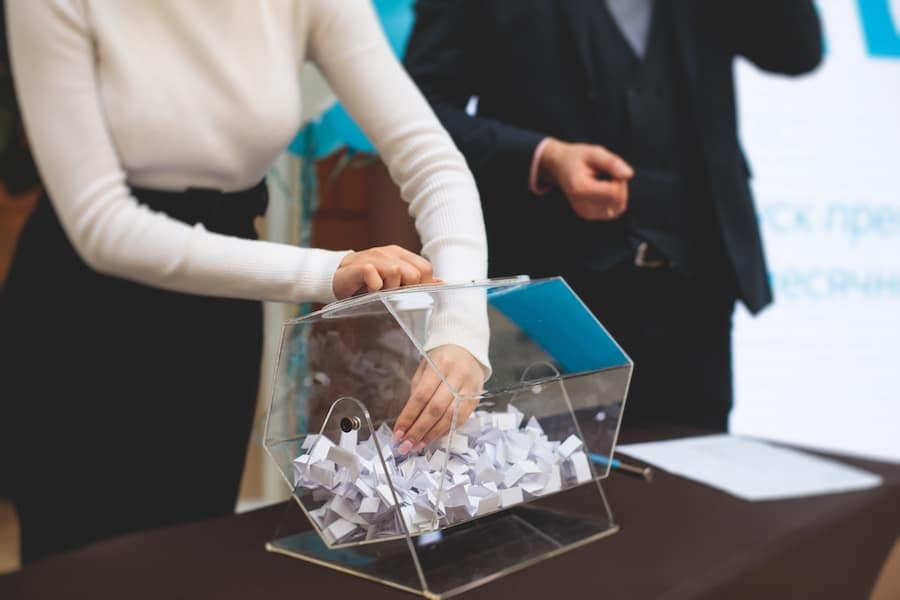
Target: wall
[(820, 368)]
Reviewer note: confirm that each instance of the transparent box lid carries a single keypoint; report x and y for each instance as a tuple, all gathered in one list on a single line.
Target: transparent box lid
[(544, 420)]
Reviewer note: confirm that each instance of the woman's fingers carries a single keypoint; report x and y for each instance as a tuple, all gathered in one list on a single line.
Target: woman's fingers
[(419, 396), (371, 278), (431, 413), (428, 413), (423, 268), (353, 278), (409, 274), (391, 274), (442, 427), (423, 366), (383, 268)]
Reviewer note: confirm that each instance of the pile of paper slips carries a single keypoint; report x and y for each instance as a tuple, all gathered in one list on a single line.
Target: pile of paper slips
[(491, 462)]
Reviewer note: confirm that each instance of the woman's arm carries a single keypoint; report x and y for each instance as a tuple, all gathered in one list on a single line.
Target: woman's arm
[(53, 63), (349, 46)]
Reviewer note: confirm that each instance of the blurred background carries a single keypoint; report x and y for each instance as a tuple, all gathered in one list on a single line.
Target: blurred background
[(819, 368)]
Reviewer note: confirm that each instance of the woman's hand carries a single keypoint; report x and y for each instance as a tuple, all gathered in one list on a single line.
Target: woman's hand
[(382, 268), (429, 410)]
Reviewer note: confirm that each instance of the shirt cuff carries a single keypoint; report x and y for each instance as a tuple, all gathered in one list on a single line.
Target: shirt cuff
[(536, 188)]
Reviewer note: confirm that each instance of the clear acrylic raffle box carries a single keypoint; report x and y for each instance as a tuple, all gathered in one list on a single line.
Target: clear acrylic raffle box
[(517, 482)]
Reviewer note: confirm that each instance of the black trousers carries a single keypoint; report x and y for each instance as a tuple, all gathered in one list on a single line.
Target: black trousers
[(126, 407), (678, 333)]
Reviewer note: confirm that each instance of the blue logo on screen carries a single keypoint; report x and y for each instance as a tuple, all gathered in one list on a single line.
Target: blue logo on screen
[(879, 29)]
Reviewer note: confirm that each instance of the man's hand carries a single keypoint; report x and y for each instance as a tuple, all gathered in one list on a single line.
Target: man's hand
[(594, 180), (429, 410), (382, 268)]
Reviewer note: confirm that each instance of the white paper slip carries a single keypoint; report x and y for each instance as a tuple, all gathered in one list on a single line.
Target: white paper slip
[(751, 469)]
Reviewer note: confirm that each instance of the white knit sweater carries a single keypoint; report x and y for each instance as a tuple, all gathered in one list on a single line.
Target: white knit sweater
[(171, 94)]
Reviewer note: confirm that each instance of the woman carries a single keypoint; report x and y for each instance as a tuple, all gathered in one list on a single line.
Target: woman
[(131, 322)]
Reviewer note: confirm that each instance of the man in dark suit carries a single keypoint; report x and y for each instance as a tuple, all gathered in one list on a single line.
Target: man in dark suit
[(605, 146)]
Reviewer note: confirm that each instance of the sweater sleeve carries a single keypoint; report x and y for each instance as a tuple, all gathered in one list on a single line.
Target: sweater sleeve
[(349, 46), (53, 60), (347, 43)]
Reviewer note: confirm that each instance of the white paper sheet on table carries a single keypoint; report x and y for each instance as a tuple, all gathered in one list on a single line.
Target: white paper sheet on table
[(751, 469)]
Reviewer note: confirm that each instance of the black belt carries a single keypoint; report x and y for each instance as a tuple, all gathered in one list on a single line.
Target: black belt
[(200, 205)]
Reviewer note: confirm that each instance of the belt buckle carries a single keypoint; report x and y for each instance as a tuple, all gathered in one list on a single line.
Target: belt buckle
[(641, 260)]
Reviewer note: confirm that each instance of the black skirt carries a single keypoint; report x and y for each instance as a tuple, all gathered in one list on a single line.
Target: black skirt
[(125, 407)]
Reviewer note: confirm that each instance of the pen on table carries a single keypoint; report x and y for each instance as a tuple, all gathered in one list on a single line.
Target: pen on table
[(645, 473)]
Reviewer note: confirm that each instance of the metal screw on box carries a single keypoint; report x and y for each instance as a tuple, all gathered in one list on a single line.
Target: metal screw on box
[(510, 487), (349, 424)]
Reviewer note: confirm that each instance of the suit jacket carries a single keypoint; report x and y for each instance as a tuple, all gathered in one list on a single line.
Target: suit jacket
[(531, 65)]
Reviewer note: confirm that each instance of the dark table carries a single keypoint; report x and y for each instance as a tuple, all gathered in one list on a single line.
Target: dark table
[(678, 540)]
